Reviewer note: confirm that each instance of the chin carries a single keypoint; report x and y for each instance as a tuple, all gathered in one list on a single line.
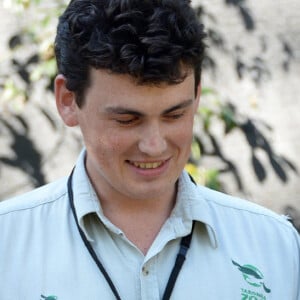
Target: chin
[(156, 191)]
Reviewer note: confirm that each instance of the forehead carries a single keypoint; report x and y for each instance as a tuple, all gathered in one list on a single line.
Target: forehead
[(109, 89)]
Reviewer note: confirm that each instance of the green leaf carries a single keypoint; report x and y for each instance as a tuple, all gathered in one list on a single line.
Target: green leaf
[(212, 179), (196, 150), (207, 91), (229, 117)]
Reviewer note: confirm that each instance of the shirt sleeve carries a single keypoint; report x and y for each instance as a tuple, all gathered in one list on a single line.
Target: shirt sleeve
[(296, 255)]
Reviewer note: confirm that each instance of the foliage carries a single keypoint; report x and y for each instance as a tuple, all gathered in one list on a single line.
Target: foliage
[(35, 42)]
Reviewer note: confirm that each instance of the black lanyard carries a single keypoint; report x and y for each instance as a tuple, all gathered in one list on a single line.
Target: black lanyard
[(184, 247)]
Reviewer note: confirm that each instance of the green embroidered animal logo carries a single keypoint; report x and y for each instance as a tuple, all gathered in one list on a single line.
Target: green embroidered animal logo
[(252, 275), (48, 297)]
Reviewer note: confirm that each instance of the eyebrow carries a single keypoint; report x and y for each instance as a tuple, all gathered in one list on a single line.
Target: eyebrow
[(119, 110), (181, 105)]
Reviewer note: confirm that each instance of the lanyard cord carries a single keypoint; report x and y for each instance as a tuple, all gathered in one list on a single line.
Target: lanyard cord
[(184, 247), (86, 242)]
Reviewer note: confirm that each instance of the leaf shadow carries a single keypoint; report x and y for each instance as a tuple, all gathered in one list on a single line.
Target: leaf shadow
[(25, 155)]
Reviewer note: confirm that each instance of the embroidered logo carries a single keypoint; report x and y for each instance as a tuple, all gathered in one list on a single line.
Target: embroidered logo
[(254, 277), (48, 297)]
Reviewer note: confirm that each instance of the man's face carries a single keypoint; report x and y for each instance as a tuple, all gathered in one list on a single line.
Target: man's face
[(138, 137)]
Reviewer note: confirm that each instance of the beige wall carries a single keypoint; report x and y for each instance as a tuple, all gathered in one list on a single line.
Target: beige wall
[(275, 100)]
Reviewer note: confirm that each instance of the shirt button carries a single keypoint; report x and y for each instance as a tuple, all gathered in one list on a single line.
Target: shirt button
[(145, 271)]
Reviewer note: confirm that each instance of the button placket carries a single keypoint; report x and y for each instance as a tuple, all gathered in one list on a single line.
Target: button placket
[(145, 271), (149, 284)]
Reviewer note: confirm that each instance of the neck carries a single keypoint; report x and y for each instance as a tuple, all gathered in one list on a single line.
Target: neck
[(139, 219)]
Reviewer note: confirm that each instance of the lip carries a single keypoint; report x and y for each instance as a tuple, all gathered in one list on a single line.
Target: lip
[(148, 171)]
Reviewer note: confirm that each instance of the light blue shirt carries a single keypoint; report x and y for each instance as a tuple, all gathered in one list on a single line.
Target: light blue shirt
[(239, 250)]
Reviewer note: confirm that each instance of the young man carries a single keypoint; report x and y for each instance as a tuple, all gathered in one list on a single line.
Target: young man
[(129, 77)]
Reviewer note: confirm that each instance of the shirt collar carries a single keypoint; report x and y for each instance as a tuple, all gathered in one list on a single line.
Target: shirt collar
[(85, 198), (190, 205)]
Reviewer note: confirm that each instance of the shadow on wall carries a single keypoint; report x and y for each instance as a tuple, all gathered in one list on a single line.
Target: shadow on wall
[(25, 155), (255, 68), (253, 130), (245, 13)]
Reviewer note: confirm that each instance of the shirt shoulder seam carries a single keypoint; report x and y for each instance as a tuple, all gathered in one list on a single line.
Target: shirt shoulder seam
[(33, 205), (268, 213)]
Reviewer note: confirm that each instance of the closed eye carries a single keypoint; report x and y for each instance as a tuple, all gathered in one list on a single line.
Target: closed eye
[(127, 120), (174, 116)]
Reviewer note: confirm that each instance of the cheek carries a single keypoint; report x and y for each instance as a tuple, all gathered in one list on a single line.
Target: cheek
[(183, 138), (113, 143), (104, 152), (183, 134)]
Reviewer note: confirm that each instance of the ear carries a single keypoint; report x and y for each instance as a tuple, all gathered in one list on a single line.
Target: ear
[(197, 98), (65, 101)]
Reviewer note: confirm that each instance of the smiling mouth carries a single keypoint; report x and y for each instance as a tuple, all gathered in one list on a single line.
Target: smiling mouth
[(147, 165)]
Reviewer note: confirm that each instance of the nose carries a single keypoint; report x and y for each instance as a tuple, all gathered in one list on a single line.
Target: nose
[(152, 141)]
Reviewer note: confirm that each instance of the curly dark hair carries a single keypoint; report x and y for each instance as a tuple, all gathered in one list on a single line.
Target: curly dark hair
[(151, 40)]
